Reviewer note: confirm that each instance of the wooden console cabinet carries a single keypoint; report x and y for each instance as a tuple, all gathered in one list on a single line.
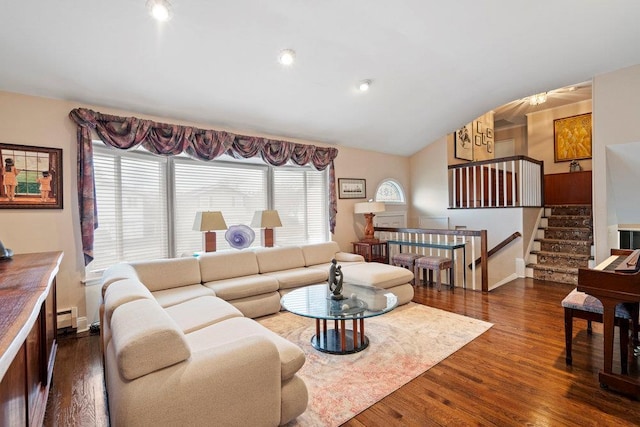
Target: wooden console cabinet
[(27, 336)]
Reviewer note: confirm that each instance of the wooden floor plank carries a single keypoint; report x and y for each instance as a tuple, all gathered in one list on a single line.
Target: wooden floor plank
[(513, 374)]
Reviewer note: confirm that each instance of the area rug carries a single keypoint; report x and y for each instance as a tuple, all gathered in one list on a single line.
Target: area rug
[(402, 345)]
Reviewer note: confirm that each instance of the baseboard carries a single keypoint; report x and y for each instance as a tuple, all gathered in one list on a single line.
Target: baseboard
[(504, 281), (83, 326), (521, 267)]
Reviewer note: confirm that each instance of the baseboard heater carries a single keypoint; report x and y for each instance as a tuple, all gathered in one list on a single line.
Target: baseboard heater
[(68, 318)]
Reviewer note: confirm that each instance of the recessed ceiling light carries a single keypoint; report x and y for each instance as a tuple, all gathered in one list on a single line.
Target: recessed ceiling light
[(160, 10), (287, 57), (364, 85)]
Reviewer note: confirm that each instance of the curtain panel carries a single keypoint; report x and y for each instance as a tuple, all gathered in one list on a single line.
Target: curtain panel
[(171, 140)]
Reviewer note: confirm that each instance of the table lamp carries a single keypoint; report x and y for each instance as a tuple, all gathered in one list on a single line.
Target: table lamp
[(266, 220), (369, 209), (208, 221)]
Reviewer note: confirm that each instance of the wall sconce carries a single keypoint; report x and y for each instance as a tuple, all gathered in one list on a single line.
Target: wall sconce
[(207, 222), (266, 220), (369, 209)]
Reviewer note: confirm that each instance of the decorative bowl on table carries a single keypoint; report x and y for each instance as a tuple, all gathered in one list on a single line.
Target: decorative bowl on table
[(240, 236)]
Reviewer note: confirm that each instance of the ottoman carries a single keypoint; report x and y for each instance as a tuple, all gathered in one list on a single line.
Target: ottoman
[(432, 263)]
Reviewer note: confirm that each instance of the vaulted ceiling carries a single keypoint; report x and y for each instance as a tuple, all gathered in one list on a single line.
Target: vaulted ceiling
[(434, 65)]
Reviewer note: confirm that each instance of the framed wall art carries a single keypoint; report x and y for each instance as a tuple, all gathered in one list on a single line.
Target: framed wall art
[(462, 143), (572, 138), (352, 188), (31, 177)]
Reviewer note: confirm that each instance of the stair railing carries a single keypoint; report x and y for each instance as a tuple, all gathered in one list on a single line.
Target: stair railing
[(441, 242), (497, 248), (516, 181)]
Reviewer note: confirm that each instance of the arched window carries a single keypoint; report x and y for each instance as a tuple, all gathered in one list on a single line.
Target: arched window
[(390, 191)]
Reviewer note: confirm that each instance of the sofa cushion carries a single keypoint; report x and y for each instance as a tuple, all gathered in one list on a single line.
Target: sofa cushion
[(122, 292), (297, 277), (291, 356), (258, 305), (240, 287), (277, 259), (319, 253), (117, 272), (376, 274), (200, 312), (161, 274), (225, 265), (145, 339), (173, 296)]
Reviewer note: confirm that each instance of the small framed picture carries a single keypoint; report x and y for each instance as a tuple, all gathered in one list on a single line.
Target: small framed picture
[(479, 127), (489, 133), (462, 142), (478, 140), (352, 188), (489, 146), (31, 177), (485, 139)]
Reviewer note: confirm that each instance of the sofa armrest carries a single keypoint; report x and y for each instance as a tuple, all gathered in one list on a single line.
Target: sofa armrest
[(348, 257), (116, 272), (234, 384)]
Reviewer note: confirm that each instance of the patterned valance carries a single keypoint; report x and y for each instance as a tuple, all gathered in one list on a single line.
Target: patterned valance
[(171, 140)]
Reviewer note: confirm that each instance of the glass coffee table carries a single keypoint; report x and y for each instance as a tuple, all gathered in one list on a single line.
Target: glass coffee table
[(360, 303)]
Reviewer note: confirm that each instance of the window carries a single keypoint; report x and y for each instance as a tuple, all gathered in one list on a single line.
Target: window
[(390, 191), (147, 204)]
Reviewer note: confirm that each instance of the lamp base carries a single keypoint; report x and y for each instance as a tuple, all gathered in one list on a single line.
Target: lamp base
[(267, 237), (209, 241)]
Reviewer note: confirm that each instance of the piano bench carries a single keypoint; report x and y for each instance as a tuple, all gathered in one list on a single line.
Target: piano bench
[(583, 306)]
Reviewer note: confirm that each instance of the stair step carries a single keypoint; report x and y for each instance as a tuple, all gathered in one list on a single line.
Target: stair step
[(563, 259), (567, 246), (565, 233), (573, 221), (555, 273), (569, 209)]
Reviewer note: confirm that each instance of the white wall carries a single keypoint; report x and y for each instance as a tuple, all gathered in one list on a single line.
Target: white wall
[(615, 112)]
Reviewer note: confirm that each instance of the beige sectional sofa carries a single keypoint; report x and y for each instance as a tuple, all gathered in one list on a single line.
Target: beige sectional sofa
[(180, 344)]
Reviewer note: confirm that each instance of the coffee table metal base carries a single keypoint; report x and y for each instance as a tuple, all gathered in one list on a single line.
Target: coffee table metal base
[(340, 340)]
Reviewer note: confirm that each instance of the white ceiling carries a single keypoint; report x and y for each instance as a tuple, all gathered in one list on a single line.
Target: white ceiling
[(434, 65)]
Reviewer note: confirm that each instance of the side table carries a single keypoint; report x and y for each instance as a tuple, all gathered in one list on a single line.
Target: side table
[(372, 251)]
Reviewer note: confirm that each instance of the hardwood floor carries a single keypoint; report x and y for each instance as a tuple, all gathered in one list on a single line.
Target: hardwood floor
[(513, 374)]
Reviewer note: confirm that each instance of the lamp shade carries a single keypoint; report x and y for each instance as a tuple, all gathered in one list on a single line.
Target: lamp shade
[(368, 207), (209, 220), (266, 219)]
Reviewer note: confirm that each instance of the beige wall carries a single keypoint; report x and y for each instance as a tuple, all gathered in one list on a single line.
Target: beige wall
[(519, 136), (374, 167), (28, 120), (616, 111), (540, 135)]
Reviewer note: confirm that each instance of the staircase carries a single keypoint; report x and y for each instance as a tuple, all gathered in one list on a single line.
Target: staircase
[(563, 244)]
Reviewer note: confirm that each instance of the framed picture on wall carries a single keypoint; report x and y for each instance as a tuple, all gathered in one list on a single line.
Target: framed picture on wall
[(352, 188), (479, 126), (478, 140), (489, 133), (462, 143), (31, 177), (572, 138)]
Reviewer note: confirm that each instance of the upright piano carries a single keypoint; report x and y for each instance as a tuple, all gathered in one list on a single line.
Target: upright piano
[(616, 280)]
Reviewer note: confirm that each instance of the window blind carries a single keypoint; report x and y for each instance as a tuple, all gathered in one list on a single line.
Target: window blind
[(132, 206)]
